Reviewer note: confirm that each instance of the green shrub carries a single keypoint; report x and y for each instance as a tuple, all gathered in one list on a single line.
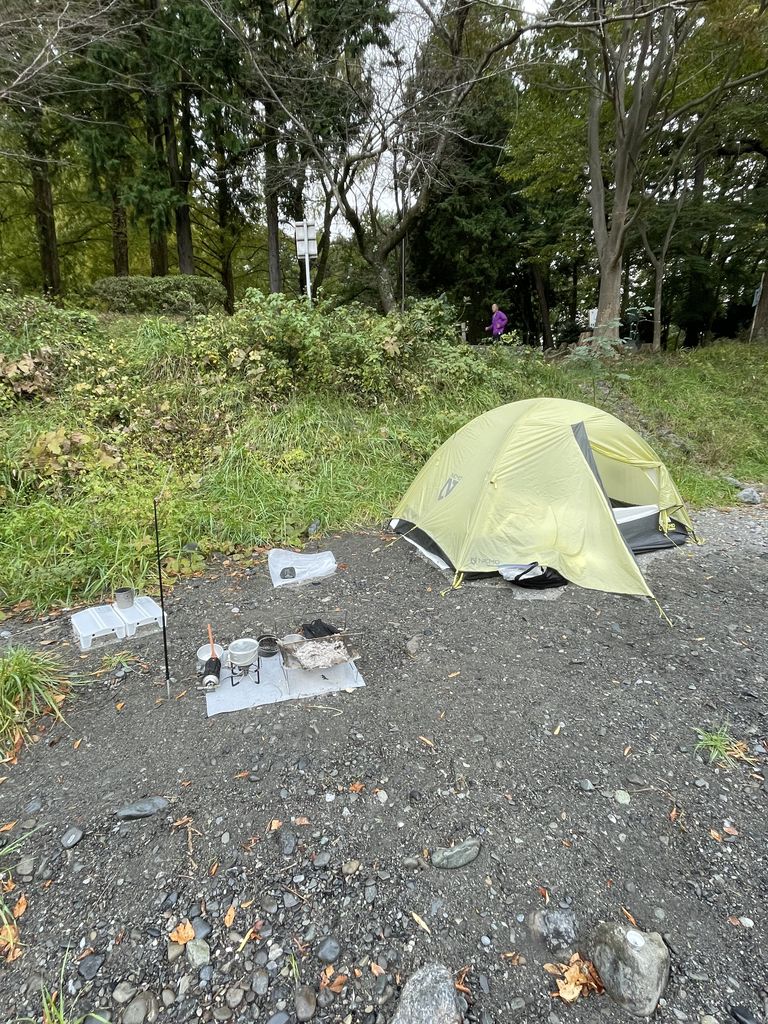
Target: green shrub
[(182, 294)]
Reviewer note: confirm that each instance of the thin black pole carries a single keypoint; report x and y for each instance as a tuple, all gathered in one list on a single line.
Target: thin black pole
[(162, 601)]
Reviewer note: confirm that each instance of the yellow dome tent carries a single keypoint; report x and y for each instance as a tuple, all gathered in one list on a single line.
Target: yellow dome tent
[(544, 481)]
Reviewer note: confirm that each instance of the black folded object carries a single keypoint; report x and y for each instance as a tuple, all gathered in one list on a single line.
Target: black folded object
[(318, 628)]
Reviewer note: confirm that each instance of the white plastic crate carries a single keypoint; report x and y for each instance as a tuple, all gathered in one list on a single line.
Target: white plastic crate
[(113, 623)]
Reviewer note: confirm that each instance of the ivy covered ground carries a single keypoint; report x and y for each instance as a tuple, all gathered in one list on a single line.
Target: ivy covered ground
[(251, 427)]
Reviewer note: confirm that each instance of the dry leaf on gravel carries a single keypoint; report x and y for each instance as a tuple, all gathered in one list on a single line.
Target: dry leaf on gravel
[(21, 906), (301, 821), (424, 739), (7, 826), (357, 787), (338, 983), (9, 937), (461, 981), (576, 978), (513, 957), (376, 970), (420, 922), (229, 917), (274, 825), (183, 934), (543, 893)]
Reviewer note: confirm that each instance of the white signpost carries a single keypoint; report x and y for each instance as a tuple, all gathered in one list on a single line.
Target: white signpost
[(306, 248)]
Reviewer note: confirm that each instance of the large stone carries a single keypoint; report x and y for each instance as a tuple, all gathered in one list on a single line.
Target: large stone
[(142, 808), (89, 966), (456, 856), (142, 1010), (429, 996), (123, 992), (329, 949), (305, 1002), (555, 928), (71, 837), (633, 965), (749, 496)]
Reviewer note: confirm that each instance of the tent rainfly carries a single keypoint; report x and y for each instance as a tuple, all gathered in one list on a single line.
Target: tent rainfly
[(550, 482)]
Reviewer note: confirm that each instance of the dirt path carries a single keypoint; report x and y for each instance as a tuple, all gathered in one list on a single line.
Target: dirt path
[(515, 721)]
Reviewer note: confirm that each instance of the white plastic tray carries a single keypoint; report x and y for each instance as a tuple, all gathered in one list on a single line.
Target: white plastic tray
[(107, 620)]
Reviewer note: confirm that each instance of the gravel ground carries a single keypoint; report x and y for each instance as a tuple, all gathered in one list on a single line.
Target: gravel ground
[(557, 732)]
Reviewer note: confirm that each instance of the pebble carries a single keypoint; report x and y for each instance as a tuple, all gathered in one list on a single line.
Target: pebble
[(586, 786), (621, 796), (269, 905), (175, 949), (142, 809), (382, 796), (71, 837), (305, 1003), (88, 967), (202, 928), (517, 1004), (260, 981), (234, 997), (26, 865), (281, 1017), (287, 842), (749, 496), (350, 867), (746, 922), (742, 1015), (323, 859), (33, 807), (457, 856), (143, 1008), (123, 992), (329, 949), (198, 953)]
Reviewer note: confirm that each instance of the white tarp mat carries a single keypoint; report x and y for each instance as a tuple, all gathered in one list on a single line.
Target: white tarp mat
[(306, 567), (278, 683)]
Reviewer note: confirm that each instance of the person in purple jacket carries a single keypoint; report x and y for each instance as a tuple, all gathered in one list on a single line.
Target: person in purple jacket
[(498, 322)]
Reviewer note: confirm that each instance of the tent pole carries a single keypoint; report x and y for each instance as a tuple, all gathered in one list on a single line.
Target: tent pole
[(162, 602)]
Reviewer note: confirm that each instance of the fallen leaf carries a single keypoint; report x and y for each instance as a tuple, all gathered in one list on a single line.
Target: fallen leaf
[(556, 730), (673, 813), (357, 787), (453, 675), (274, 825), (242, 775), (628, 916), (376, 970), (13, 954), (248, 903), (627, 751), (357, 972), (119, 706), (421, 922), (730, 830), (716, 836), (180, 695), (424, 739), (460, 984), (555, 968), (543, 893), (76, 744), (7, 885), (183, 934), (185, 783), (513, 956), (301, 821), (229, 917), (734, 921), (3, 778), (213, 869), (20, 907), (7, 826), (338, 983)]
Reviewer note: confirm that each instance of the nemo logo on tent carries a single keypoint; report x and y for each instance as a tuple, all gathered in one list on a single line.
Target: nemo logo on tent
[(447, 487)]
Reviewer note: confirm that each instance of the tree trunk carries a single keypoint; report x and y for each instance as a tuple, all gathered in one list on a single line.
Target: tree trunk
[(271, 202), (541, 291), (224, 210), (158, 250), (180, 173), (119, 237), (759, 331), (45, 221), (609, 299), (573, 304), (657, 293), (384, 284)]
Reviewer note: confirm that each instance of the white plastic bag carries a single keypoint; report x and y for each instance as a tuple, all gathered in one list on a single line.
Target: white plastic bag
[(306, 567)]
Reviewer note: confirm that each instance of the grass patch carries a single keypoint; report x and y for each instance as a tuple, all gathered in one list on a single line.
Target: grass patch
[(31, 685), (722, 747), (251, 427)]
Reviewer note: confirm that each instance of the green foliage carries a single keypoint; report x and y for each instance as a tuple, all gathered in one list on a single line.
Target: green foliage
[(31, 684), (181, 294), (254, 425)]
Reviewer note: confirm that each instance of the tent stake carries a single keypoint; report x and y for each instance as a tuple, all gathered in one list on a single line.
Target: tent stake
[(162, 602)]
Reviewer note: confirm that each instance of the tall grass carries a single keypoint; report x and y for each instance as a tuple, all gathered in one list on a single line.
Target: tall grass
[(31, 685), (236, 469)]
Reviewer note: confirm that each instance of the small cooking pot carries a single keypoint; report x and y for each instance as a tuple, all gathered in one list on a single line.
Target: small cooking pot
[(268, 646)]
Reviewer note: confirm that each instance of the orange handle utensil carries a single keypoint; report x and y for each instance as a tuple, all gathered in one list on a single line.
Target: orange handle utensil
[(210, 640)]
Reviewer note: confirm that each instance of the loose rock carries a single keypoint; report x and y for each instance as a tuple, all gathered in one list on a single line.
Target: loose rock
[(123, 992), (457, 856), (329, 949), (555, 928), (142, 809), (749, 496), (198, 953), (71, 837), (633, 965), (305, 1003), (429, 995), (88, 967), (143, 1008)]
